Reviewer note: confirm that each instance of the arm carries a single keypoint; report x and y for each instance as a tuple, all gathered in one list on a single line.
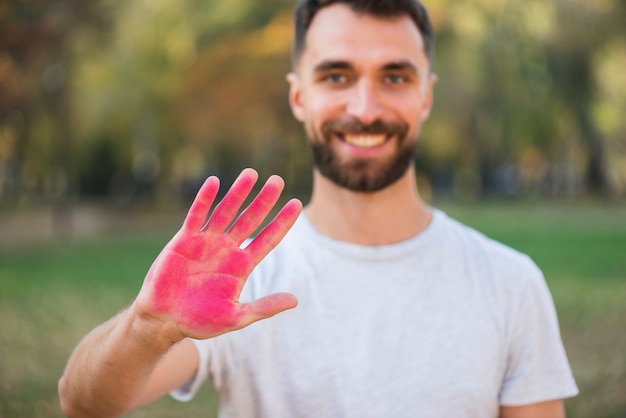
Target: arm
[(191, 290), (549, 409)]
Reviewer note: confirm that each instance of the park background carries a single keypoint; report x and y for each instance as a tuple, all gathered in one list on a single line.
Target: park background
[(112, 113)]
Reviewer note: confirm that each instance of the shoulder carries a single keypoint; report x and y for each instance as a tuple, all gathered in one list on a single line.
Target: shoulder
[(477, 244), (490, 264)]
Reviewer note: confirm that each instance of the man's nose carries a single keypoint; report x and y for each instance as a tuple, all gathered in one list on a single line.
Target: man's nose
[(364, 103)]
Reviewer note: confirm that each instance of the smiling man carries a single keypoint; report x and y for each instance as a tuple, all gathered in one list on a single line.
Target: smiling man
[(361, 87), (401, 311)]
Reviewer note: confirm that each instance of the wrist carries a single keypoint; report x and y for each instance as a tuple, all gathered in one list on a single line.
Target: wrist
[(152, 332)]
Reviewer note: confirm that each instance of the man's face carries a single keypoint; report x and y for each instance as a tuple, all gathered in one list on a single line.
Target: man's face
[(362, 89)]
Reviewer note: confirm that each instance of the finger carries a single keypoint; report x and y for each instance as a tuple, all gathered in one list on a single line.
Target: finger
[(274, 232), (199, 209), (225, 211), (252, 217), (266, 307)]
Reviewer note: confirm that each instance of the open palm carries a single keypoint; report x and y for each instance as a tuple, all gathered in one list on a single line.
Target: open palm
[(196, 281)]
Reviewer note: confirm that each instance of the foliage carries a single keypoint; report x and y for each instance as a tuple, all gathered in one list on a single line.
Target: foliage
[(112, 98), (37, 138)]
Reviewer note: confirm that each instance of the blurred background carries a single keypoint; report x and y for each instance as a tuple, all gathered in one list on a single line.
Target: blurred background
[(112, 113)]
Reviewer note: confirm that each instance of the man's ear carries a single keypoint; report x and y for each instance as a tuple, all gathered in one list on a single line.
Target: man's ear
[(295, 96), (428, 97)]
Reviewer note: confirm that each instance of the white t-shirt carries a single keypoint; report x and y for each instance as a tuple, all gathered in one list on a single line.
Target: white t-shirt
[(446, 324)]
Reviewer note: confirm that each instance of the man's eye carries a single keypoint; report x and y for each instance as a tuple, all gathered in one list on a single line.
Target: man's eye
[(395, 79), (336, 78)]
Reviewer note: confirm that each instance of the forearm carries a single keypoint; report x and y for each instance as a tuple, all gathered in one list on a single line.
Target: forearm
[(547, 409), (191, 290), (110, 367)]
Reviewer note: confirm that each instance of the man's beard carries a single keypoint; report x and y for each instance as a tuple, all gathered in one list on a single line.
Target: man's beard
[(361, 174)]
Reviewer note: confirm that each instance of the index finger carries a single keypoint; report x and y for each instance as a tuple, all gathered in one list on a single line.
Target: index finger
[(197, 214)]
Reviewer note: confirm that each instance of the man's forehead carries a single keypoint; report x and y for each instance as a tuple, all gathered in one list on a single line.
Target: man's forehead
[(339, 34)]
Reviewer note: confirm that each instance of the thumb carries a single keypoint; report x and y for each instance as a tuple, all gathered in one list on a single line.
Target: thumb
[(267, 307)]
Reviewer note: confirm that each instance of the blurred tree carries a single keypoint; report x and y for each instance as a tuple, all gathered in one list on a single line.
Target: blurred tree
[(520, 79), (98, 169), (187, 73), (35, 98), (530, 98), (235, 96), (582, 31)]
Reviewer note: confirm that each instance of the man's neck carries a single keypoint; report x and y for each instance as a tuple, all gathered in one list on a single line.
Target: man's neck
[(391, 215)]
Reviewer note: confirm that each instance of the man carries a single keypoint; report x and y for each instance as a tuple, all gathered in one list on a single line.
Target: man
[(402, 312)]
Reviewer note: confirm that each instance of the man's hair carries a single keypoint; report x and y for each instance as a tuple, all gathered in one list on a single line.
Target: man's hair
[(307, 9)]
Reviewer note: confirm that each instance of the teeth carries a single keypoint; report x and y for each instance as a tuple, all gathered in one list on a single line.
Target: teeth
[(365, 141)]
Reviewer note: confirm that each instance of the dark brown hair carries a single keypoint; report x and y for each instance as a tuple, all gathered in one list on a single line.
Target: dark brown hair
[(307, 9)]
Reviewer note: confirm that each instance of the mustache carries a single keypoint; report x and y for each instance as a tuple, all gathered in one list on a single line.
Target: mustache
[(357, 127)]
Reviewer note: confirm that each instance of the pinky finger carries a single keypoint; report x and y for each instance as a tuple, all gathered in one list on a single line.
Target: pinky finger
[(275, 231)]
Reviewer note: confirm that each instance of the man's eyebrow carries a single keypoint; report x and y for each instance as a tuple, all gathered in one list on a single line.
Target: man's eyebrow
[(401, 66), (331, 65)]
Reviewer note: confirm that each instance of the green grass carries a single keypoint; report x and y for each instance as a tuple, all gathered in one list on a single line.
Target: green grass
[(53, 295), (50, 296)]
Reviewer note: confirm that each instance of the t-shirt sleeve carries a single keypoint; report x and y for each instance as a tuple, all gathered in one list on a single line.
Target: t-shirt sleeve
[(537, 366), (187, 391)]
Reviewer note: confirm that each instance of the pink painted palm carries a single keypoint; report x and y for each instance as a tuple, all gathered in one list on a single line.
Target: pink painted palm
[(193, 286)]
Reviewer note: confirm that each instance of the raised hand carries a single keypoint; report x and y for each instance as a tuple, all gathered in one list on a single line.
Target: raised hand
[(194, 284)]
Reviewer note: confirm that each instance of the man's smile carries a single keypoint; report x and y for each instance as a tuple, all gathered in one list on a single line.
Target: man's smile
[(364, 140)]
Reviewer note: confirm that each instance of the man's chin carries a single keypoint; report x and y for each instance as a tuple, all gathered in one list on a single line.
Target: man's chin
[(370, 181), (361, 175)]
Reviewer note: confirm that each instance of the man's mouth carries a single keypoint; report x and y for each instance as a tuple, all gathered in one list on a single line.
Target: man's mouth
[(364, 140)]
